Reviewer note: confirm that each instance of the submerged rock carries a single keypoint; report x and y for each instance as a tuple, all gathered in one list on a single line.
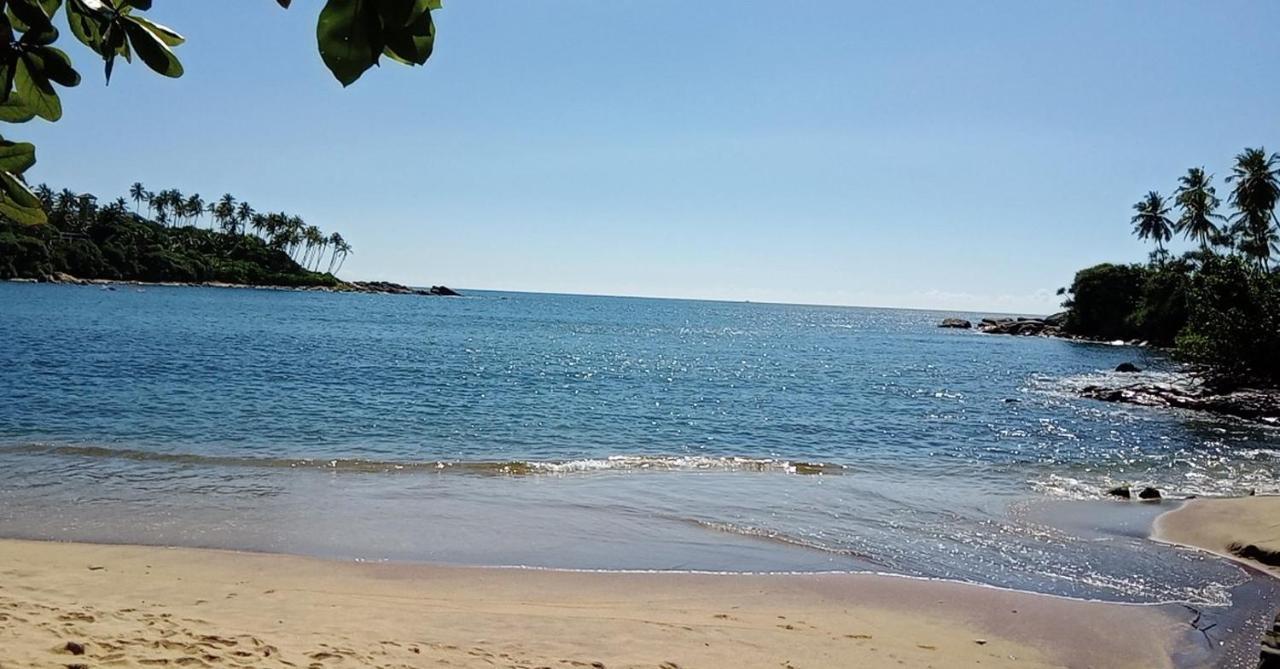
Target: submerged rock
[(1261, 405), (1149, 493), (1270, 658), (1120, 491), (958, 323), (1127, 367)]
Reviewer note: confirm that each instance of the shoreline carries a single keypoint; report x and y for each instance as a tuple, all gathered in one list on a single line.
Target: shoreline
[(365, 287), (1245, 530), (176, 603)]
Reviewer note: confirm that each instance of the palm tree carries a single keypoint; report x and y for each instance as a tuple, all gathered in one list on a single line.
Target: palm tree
[(225, 213), (139, 193), (1152, 220), (1257, 188), (245, 215), (256, 221), (1198, 201), (195, 208), (315, 240), (338, 244)]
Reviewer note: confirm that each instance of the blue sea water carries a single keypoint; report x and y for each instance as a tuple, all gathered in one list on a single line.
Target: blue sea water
[(598, 433)]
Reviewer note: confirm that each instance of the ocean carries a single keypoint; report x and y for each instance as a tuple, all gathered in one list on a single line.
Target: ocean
[(599, 433)]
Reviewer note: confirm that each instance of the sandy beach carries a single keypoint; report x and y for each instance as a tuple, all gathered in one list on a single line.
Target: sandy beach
[(1245, 529), (70, 605)]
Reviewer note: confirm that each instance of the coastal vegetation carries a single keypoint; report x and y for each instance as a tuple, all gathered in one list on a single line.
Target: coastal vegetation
[(168, 236), (1217, 304), (352, 37)]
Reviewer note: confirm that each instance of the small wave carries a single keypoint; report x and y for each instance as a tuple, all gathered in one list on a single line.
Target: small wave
[(616, 463)]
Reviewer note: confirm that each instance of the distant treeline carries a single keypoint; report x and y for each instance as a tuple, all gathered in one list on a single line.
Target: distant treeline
[(1217, 305), (168, 236)]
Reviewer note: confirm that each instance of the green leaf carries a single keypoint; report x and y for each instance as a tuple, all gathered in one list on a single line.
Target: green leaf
[(18, 203), (399, 13), (28, 14), (36, 91), (350, 37), (151, 50), (413, 43), (164, 33), (16, 157), (87, 25), (14, 110), (54, 64)]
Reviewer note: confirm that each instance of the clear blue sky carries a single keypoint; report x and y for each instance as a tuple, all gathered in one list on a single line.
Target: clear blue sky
[(958, 155)]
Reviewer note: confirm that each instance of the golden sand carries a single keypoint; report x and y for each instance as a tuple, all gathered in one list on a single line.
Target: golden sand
[(68, 605)]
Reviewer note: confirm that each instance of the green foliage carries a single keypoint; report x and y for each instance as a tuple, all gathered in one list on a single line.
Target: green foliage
[(1234, 322), (1152, 219), (1256, 176), (1161, 311), (352, 35), (1103, 299), (92, 242)]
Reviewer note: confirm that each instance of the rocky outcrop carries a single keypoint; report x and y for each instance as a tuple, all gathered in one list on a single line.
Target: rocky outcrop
[(1026, 327), (1250, 404), (388, 288), (958, 323)]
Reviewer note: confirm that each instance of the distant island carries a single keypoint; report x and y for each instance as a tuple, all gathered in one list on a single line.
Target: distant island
[(170, 238)]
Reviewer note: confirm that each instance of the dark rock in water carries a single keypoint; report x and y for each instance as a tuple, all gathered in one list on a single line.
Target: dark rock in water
[(1257, 554), (1057, 320), (1127, 367), (1120, 491), (1026, 327), (958, 323), (1271, 647), (388, 288), (1149, 493), (1250, 404)]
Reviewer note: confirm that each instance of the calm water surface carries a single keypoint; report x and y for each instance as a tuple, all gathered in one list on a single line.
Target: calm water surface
[(597, 433)]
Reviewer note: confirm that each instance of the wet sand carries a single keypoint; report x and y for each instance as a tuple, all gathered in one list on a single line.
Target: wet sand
[(64, 604), (1243, 528)]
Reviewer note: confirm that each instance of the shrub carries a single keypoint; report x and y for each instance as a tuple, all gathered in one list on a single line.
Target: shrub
[(1104, 299), (1233, 322)]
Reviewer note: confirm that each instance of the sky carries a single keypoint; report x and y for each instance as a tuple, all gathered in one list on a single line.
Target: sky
[(952, 155)]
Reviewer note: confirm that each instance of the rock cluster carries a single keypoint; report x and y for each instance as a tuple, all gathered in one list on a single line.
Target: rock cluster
[(1147, 494), (1271, 647), (958, 323), (1049, 326), (388, 288), (1250, 404)]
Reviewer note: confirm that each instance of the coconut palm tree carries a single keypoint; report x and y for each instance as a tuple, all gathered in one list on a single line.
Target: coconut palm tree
[(337, 243), (139, 193), (194, 208), (244, 215), (1198, 202), (315, 243), (1152, 220), (256, 221), (225, 213), (1257, 188)]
